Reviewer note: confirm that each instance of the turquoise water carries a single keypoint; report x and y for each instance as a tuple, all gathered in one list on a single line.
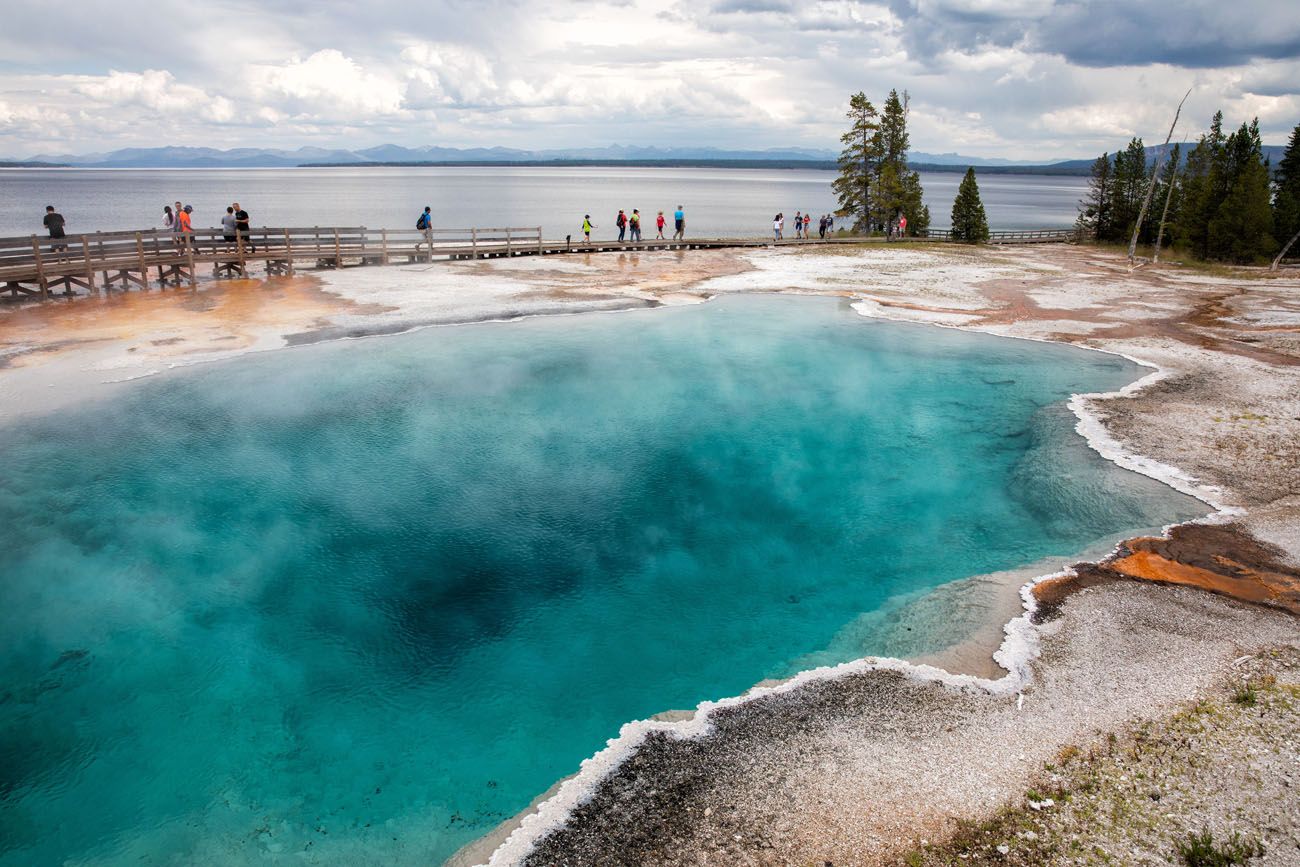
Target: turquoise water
[(362, 601)]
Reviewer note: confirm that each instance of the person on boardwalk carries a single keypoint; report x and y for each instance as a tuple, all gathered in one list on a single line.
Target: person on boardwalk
[(241, 226), (821, 227), (425, 224), (635, 222), (798, 224), (184, 226), (777, 222), (902, 225), (228, 226), (176, 223), (169, 219), (679, 220), (587, 227), (621, 222), (659, 224), (54, 222)]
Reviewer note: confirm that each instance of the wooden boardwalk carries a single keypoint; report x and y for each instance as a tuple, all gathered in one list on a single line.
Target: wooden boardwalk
[(35, 266)]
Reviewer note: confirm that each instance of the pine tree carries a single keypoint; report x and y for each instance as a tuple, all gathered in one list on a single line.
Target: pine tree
[(1286, 191), (858, 162), (968, 220), (1241, 229), (1127, 189), (1204, 188), (1095, 210)]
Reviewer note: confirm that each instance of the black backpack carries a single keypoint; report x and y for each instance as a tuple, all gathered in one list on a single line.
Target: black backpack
[(423, 222)]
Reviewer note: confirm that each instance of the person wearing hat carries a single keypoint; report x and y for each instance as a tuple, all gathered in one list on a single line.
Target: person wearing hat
[(679, 220)]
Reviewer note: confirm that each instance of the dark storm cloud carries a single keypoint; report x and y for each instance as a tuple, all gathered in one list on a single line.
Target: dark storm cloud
[(1200, 34), (1195, 35)]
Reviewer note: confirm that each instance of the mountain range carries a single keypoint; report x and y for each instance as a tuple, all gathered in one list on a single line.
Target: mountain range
[(196, 157)]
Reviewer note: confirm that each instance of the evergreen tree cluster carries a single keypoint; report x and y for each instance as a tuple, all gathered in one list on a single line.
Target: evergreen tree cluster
[(1217, 204), (875, 186)]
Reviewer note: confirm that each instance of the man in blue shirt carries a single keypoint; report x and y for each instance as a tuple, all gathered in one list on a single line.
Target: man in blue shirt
[(679, 221)]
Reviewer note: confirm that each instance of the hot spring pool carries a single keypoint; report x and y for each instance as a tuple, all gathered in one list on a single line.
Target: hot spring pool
[(365, 600)]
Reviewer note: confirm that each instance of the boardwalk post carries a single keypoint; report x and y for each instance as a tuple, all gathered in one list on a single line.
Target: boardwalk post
[(144, 265), (288, 251), (507, 241), (539, 240), (239, 250), (40, 268), (189, 260), (473, 242), (90, 271), (100, 242), (383, 246), (338, 251)]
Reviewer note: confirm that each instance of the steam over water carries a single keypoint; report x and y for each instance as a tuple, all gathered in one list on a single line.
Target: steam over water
[(365, 600)]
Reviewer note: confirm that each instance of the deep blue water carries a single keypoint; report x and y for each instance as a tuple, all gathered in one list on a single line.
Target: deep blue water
[(362, 601), (718, 202)]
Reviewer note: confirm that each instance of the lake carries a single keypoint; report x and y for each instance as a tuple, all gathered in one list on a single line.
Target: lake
[(718, 202)]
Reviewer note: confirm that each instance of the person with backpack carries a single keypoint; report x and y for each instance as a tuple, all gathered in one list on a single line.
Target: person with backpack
[(636, 225), (621, 222), (425, 224)]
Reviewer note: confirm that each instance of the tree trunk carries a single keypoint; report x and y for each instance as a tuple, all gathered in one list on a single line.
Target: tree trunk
[(1278, 260), (1151, 186), (1164, 217)]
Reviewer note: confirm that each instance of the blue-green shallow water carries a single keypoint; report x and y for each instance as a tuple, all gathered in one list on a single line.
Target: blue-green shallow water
[(365, 600)]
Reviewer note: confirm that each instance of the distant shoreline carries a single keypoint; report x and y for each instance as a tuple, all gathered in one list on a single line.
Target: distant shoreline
[(815, 165)]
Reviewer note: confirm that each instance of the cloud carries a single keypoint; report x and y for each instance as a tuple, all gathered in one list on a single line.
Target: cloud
[(1033, 79), (326, 85), (1194, 33), (155, 90)]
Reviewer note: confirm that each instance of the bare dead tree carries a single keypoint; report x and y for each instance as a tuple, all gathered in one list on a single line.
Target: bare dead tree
[(1151, 186), (1164, 217), (1278, 260)]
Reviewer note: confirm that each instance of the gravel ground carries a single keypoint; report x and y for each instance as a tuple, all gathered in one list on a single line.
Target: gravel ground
[(1228, 764), (859, 770)]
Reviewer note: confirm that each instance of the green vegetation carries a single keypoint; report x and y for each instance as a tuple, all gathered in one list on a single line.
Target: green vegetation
[(1217, 205), (1243, 693), (968, 220), (875, 185), (1200, 850)]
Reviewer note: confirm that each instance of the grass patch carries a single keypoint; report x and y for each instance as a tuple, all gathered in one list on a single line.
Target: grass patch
[(1201, 850), (1244, 693)]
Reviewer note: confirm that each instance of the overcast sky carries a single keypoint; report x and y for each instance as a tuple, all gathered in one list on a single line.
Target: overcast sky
[(1022, 79)]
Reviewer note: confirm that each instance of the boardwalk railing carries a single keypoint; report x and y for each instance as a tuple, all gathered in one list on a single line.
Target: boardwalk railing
[(1028, 236), (34, 265)]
